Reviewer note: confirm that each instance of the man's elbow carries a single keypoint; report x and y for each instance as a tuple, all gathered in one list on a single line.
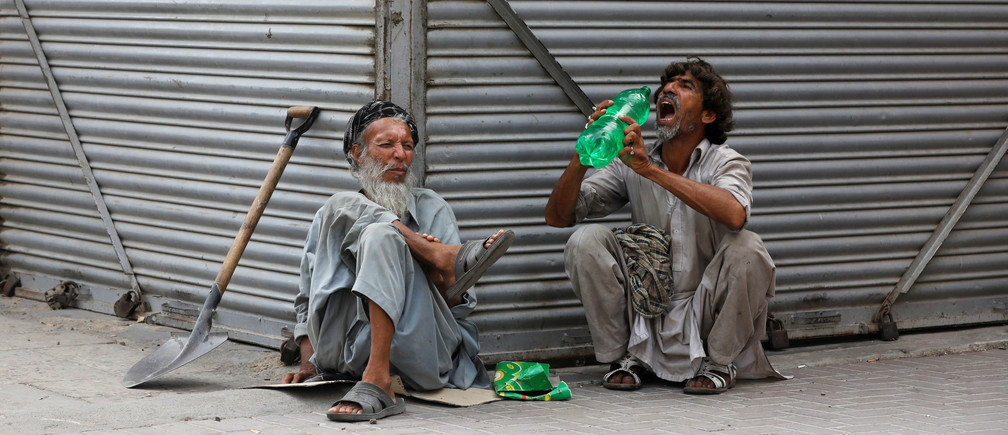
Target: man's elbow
[(557, 221), (737, 221)]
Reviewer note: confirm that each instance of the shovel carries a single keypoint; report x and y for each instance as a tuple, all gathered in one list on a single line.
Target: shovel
[(178, 352)]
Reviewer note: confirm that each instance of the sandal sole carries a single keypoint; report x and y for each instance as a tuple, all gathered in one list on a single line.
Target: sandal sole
[(492, 254)]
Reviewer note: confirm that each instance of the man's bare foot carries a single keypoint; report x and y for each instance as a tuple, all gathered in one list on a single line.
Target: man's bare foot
[(620, 378), (704, 383), (439, 258), (443, 273), (621, 374), (354, 408), (711, 379), (701, 382)]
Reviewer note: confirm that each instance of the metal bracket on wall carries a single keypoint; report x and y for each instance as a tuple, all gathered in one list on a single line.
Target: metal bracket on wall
[(76, 144), (401, 65), (887, 324), (522, 31)]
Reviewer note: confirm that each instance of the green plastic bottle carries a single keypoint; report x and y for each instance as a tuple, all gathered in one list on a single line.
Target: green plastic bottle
[(600, 143)]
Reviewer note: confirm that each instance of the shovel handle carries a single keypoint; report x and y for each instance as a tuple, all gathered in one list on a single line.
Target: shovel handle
[(300, 111), (297, 112), (265, 192)]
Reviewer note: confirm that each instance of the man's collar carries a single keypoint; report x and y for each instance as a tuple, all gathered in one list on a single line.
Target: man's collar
[(411, 210), (701, 149), (695, 156)]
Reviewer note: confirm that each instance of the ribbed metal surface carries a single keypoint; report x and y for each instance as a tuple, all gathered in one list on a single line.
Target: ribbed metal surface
[(180, 109), (863, 120)]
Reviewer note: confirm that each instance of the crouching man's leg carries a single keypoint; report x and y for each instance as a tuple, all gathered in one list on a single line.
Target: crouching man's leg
[(594, 262), (383, 271), (731, 304), (377, 372), (403, 325)]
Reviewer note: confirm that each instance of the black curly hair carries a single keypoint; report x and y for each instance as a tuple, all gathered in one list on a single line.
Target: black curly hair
[(716, 95)]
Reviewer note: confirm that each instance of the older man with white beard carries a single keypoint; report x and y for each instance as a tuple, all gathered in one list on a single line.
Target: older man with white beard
[(384, 278)]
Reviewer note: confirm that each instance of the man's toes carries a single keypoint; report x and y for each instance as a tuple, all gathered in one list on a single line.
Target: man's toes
[(614, 379), (700, 382), (621, 378), (490, 240), (346, 408)]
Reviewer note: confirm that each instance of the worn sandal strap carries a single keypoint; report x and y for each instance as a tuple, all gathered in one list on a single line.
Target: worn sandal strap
[(468, 255), (370, 397), (626, 364), (715, 372)]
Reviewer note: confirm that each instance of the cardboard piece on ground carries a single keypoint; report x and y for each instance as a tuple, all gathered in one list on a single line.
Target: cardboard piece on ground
[(446, 396), (450, 396), (299, 386)]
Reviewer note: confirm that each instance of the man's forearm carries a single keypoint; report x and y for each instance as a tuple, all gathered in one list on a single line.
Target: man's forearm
[(711, 201), (563, 199)]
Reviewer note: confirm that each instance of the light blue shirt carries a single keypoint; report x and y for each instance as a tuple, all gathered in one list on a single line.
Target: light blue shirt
[(433, 346)]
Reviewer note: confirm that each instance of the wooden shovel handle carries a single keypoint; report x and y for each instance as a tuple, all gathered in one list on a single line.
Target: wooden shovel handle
[(300, 111), (252, 218)]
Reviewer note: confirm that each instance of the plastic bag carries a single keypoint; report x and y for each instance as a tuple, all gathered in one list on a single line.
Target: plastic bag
[(528, 381)]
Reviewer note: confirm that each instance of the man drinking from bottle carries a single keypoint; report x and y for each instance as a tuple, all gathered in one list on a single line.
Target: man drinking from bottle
[(682, 293)]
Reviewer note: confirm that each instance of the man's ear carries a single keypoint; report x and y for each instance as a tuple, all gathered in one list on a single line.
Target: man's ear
[(355, 151), (707, 117)]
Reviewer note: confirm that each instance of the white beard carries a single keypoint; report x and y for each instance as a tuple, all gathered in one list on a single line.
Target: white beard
[(393, 196), (666, 133)]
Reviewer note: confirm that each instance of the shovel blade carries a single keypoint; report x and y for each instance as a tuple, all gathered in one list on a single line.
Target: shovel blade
[(175, 353)]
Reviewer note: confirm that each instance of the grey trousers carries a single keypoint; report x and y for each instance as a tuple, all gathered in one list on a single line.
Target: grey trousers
[(726, 310)]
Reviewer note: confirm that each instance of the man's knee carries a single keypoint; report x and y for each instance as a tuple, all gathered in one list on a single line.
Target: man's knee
[(382, 234), (746, 258), (744, 246), (589, 238)]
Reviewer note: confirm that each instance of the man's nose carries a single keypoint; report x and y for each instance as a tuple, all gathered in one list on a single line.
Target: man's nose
[(399, 152)]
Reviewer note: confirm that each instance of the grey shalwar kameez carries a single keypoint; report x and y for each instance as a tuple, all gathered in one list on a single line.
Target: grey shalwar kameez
[(722, 279), (353, 252)]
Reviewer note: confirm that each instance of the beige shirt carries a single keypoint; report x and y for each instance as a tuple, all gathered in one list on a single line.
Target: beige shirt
[(695, 237)]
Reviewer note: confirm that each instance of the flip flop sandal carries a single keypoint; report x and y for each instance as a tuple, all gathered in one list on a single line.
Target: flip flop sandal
[(474, 259), (628, 365), (374, 402), (716, 373)]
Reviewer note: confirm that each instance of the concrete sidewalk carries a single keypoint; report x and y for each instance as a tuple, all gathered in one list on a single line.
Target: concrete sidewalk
[(61, 372)]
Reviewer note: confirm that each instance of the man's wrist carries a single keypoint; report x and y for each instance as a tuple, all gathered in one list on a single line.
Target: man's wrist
[(651, 171)]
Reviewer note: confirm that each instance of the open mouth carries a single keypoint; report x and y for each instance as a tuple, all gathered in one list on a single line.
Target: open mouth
[(668, 106)]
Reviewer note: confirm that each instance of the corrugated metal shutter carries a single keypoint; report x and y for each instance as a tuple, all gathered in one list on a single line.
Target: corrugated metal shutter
[(180, 109), (864, 121)]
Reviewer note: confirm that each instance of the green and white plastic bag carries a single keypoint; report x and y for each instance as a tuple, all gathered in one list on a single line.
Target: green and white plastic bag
[(528, 381)]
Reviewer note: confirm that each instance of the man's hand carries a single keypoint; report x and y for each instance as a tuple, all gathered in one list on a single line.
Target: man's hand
[(634, 154), (599, 111), (562, 201), (307, 368), (298, 377)]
